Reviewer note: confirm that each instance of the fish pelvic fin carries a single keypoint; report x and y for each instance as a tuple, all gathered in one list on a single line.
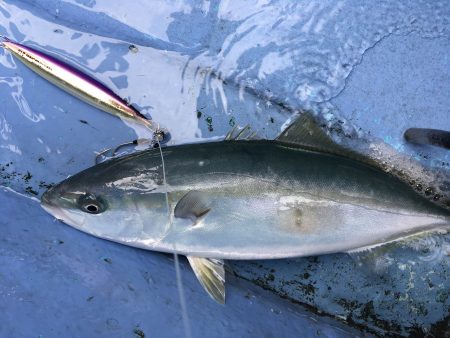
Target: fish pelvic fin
[(211, 274), (193, 205)]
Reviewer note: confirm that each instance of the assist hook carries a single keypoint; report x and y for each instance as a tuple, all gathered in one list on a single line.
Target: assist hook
[(160, 137)]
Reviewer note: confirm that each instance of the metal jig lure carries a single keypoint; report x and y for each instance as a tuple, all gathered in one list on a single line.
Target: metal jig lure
[(80, 85)]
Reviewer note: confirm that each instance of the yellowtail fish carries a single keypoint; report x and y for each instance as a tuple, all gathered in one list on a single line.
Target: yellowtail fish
[(79, 84), (298, 195)]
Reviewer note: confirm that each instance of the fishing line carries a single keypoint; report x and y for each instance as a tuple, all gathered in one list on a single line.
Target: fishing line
[(184, 314)]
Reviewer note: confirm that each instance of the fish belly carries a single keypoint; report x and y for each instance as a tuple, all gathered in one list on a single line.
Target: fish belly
[(280, 225)]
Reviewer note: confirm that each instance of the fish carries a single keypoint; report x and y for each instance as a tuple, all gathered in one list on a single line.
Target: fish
[(244, 199), (433, 137), (80, 85)]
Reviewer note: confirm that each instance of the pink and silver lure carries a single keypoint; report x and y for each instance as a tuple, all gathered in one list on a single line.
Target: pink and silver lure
[(80, 85)]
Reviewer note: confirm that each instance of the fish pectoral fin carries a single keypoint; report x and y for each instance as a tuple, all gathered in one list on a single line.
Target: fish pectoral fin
[(211, 274), (193, 205)]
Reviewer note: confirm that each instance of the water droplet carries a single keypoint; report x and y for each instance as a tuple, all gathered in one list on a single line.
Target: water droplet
[(209, 121), (232, 122)]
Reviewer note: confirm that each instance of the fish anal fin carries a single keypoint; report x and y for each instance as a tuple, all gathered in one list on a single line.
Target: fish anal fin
[(211, 274), (193, 205)]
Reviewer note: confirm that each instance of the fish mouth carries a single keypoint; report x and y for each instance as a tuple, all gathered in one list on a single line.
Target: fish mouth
[(48, 205), (56, 211)]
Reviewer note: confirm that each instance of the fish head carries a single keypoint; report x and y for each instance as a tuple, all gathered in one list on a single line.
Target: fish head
[(112, 203), (76, 207)]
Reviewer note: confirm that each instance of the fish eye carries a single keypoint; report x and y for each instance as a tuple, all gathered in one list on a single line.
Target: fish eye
[(91, 204), (92, 208)]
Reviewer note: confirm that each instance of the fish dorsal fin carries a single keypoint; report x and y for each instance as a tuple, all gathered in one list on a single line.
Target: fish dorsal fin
[(307, 134), (241, 134), (193, 205), (211, 274)]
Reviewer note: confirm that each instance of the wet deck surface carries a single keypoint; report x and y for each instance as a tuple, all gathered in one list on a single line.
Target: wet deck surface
[(368, 71)]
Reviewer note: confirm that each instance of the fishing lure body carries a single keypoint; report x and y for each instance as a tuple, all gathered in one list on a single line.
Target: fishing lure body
[(77, 83)]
